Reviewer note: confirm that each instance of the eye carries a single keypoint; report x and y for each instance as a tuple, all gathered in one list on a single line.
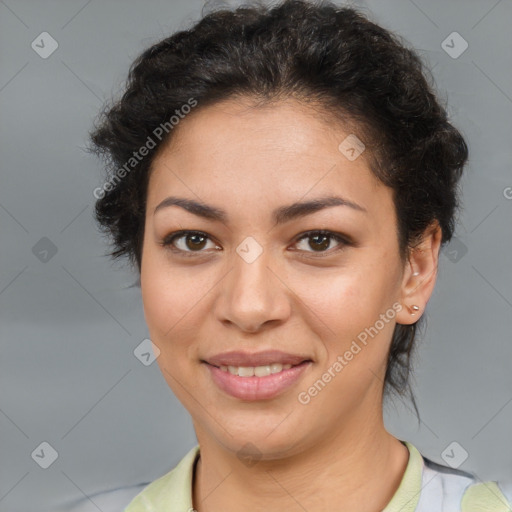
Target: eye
[(187, 242), (320, 241)]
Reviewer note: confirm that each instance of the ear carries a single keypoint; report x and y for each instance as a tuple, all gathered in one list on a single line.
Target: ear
[(420, 275)]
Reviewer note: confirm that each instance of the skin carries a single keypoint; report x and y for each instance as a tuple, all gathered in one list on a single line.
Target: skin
[(249, 161)]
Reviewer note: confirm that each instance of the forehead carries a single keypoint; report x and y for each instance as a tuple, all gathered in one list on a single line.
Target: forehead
[(260, 150), (234, 125)]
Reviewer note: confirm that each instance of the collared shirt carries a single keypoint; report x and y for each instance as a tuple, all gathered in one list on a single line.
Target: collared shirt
[(425, 487)]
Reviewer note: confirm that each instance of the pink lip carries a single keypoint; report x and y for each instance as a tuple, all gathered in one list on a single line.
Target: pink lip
[(262, 358), (257, 388)]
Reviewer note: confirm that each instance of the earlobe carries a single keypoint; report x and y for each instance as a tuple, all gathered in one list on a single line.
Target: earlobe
[(413, 310), (420, 275)]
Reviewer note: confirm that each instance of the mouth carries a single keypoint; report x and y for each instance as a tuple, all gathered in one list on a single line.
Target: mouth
[(258, 376)]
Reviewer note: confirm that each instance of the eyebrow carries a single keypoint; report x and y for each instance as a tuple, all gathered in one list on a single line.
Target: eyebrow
[(280, 215)]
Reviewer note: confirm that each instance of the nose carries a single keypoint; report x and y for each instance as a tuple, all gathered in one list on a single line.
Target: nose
[(253, 295)]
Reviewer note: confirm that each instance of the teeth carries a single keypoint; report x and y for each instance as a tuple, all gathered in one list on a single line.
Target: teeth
[(258, 371), (246, 371), (276, 367)]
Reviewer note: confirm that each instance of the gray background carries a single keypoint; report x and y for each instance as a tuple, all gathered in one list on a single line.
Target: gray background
[(70, 325)]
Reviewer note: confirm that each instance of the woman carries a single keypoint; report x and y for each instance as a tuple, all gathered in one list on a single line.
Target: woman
[(283, 179)]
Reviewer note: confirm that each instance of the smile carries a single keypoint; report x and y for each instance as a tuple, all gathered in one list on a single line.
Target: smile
[(253, 383), (258, 371)]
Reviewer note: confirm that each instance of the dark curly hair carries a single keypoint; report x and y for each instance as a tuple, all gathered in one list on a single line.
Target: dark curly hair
[(332, 58)]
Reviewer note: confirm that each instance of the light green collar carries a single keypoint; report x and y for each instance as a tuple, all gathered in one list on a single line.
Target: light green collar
[(408, 493), (173, 491)]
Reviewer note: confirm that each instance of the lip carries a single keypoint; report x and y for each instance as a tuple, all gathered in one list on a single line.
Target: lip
[(262, 358), (257, 388)]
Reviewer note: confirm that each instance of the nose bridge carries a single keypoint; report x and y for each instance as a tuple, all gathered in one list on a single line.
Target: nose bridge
[(251, 296), (250, 278)]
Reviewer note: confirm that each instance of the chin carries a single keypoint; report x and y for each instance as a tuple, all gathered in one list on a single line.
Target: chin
[(262, 434)]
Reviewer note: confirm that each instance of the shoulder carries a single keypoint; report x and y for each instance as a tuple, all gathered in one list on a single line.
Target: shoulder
[(447, 489), (487, 497), (106, 501), (170, 492)]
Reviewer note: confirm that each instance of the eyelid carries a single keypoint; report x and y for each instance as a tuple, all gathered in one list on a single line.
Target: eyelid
[(343, 240)]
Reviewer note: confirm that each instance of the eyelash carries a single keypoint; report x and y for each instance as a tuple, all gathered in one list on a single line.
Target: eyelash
[(342, 240)]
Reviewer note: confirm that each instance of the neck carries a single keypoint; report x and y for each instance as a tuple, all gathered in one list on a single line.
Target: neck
[(358, 468)]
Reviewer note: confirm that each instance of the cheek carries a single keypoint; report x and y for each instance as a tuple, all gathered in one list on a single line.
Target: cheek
[(169, 297), (346, 306), (341, 299), (170, 303)]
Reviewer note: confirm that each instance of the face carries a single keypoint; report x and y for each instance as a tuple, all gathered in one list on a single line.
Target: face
[(249, 282)]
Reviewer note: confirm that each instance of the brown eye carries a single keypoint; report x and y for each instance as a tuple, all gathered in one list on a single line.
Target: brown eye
[(195, 241), (320, 241), (187, 242)]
